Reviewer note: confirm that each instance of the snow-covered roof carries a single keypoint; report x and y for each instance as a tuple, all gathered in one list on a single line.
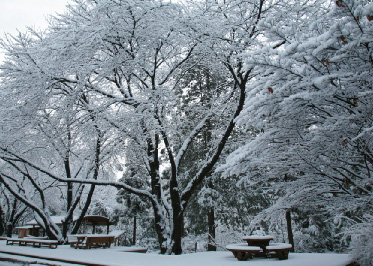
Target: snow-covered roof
[(26, 227)]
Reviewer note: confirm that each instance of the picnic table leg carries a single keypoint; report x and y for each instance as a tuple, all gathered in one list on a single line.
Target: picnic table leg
[(283, 254), (242, 255)]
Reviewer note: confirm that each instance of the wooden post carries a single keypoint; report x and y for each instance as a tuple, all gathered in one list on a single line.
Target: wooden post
[(290, 232)]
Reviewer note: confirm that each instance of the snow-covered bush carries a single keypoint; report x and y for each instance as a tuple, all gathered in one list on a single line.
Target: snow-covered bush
[(362, 242)]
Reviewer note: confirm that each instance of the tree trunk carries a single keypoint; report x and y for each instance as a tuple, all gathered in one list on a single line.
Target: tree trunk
[(2, 229), (159, 230), (290, 231), (211, 223), (84, 211), (177, 234), (92, 188), (134, 230), (9, 229), (69, 195), (10, 223), (2, 223)]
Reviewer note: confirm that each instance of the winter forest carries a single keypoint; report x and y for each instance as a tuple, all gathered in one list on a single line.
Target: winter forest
[(194, 121)]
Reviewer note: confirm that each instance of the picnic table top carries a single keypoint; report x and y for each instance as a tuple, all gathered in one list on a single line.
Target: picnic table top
[(254, 237)]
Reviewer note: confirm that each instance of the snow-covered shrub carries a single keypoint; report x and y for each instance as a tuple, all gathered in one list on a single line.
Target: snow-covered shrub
[(362, 242)]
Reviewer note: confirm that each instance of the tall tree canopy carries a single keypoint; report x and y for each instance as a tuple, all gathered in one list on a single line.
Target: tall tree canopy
[(157, 88), (104, 83), (313, 106)]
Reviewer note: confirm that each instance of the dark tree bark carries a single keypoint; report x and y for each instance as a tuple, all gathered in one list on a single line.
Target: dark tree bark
[(134, 230), (290, 231), (69, 196), (211, 223), (2, 229)]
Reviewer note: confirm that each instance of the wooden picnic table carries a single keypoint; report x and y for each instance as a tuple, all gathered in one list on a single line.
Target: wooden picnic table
[(259, 246), (88, 241)]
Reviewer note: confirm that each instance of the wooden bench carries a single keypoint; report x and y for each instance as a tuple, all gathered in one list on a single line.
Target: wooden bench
[(278, 250), (72, 240), (36, 237), (33, 242), (242, 251), (94, 242), (116, 234)]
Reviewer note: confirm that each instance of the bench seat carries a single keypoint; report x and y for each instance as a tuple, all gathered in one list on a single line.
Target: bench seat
[(278, 250), (242, 251), (33, 242)]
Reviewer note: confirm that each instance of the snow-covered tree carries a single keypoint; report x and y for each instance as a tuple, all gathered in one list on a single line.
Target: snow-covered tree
[(313, 106), (11, 212), (118, 64), (49, 125)]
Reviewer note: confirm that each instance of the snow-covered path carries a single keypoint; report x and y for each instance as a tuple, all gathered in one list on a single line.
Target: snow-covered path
[(115, 257)]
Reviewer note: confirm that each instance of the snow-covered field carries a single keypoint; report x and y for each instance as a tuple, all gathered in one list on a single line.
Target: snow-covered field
[(115, 256)]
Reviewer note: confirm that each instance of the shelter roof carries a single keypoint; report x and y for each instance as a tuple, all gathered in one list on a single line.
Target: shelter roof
[(97, 220), (55, 219), (27, 227)]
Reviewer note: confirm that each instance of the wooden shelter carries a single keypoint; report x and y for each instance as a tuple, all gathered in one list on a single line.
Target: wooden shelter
[(96, 220), (33, 228), (28, 230)]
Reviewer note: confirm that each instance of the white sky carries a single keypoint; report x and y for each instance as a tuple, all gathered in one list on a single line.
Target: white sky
[(18, 14)]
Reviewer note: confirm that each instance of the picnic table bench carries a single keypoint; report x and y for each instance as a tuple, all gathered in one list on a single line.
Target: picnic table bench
[(279, 250), (242, 251), (33, 242)]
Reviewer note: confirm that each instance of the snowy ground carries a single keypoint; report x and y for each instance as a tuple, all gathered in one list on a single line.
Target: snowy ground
[(114, 256)]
